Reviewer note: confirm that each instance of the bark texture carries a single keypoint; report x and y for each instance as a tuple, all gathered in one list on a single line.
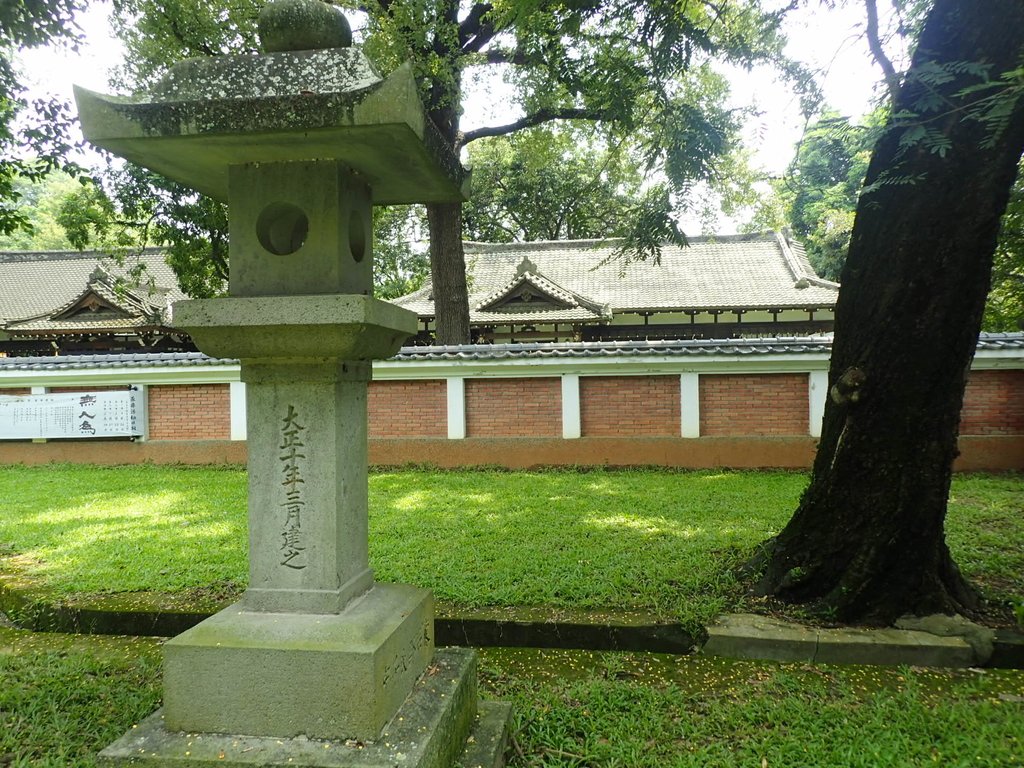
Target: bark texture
[(444, 221), (867, 541), (448, 274)]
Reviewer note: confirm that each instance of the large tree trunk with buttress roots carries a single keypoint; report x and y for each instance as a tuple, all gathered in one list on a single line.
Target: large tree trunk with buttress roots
[(867, 542)]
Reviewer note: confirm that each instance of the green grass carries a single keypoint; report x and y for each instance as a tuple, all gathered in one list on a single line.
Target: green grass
[(639, 711), (65, 698), (654, 541), (62, 701)]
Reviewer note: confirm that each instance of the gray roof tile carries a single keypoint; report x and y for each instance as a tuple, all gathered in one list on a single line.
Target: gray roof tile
[(35, 284), (597, 349), (762, 271)]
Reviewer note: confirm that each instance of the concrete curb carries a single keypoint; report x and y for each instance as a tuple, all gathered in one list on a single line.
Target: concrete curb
[(748, 636), (737, 636)]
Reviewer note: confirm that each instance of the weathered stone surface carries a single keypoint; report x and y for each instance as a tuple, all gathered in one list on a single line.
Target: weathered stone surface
[(300, 143), (333, 676), (276, 75), (891, 647), (210, 114), (298, 25), (748, 636), (295, 327), (429, 731), (1008, 649), (489, 737), (300, 228), (978, 637), (308, 498)]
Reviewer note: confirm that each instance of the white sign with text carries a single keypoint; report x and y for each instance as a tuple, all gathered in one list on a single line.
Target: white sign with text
[(71, 415)]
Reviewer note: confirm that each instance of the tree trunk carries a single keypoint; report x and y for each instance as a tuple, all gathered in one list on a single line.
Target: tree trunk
[(444, 222), (448, 274), (867, 541)]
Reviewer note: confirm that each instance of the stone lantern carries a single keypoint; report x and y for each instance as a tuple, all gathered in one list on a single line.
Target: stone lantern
[(317, 664)]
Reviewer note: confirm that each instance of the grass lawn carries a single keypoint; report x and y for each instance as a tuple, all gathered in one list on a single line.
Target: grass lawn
[(654, 541), (649, 711), (63, 699)]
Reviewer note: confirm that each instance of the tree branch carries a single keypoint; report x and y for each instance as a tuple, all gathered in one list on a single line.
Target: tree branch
[(892, 80), (381, 5), (473, 24), (537, 118), (176, 30), (502, 56)]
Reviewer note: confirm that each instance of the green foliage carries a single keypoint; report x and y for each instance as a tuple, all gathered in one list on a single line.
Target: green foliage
[(819, 192), (1005, 308), (40, 203), (37, 145), (545, 184), (642, 71), (818, 198), (400, 263), (158, 34)]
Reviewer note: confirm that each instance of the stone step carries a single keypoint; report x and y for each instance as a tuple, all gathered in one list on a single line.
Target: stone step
[(441, 724), (489, 737)]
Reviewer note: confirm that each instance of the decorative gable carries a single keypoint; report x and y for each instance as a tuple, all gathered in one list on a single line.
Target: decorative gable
[(530, 291), (92, 304), (102, 299)]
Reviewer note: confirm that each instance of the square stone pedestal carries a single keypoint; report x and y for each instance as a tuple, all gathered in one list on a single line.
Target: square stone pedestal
[(325, 676), (439, 725)]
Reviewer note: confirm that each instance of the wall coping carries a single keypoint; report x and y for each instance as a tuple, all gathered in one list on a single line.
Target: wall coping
[(764, 355)]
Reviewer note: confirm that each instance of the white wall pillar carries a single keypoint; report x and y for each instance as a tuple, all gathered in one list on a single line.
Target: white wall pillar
[(236, 407), (689, 404), (456, 408), (817, 390), (571, 423), (142, 403)]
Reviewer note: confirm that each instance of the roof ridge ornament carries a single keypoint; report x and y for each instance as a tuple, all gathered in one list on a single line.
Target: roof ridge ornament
[(526, 266)]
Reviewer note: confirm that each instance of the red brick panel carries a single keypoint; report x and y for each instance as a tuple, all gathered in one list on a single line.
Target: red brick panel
[(13, 391), (190, 412), (993, 404), (624, 406), (514, 407), (408, 408), (753, 404)]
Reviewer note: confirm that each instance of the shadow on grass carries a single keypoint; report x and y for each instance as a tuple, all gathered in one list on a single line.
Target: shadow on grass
[(663, 543)]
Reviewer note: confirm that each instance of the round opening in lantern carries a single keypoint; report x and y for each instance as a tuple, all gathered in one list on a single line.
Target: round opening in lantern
[(282, 228), (357, 235)]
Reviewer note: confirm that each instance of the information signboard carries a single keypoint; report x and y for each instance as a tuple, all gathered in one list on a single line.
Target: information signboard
[(71, 415)]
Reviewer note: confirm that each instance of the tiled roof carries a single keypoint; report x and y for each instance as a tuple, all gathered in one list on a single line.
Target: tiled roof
[(1001, 341), (762, 271), (101, 307), (741, 347), (687, 347), (50, 281), (115, 360)]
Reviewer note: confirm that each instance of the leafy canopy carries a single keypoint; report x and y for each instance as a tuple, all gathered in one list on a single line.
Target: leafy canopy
[(544, 184), (32, 147)]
